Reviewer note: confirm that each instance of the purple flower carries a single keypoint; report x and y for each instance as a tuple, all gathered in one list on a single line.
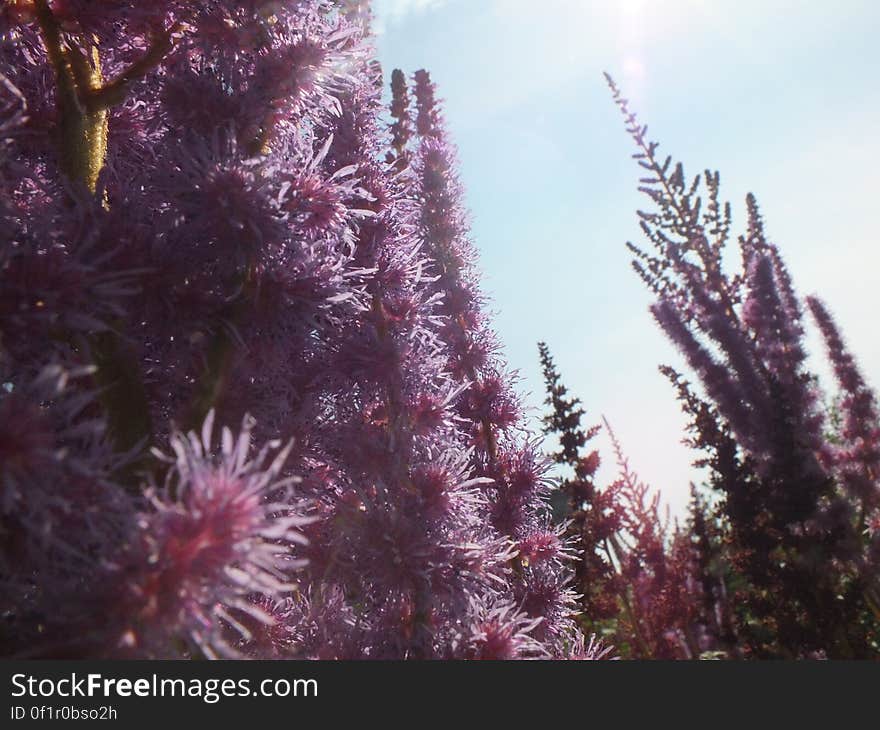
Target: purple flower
[(200, 220), (222, 527)]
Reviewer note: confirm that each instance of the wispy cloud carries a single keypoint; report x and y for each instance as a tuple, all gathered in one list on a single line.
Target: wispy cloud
[(392, 12)]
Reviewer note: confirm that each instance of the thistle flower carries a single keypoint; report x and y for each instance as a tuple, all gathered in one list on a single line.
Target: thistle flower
[(501, 632), (592, 650), (222, 527), (58, 493)]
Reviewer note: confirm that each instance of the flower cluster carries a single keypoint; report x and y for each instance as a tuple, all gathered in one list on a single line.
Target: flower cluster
[(794, 499), (204, 218)]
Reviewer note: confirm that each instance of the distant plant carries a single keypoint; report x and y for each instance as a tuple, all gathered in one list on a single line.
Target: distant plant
[(799, 508), (591, 514), (651, 587)]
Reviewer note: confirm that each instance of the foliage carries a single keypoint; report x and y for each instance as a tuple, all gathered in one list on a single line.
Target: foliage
[(206, 220), (795, 503)]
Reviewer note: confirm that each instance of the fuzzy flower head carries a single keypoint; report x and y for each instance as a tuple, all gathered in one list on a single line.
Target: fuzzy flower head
[(56, 468), (590, 650), (545, 546), (223, 528), (502, 633)]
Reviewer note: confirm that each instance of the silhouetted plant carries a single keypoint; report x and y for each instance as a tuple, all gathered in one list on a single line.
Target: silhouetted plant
[(794, 502)]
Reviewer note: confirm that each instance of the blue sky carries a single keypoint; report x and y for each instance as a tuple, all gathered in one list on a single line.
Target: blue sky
[(780, 96)]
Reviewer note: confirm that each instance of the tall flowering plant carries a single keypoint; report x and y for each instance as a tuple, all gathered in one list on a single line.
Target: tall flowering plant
[(799, 503), (651, 586), (250, 405), (591, 515)]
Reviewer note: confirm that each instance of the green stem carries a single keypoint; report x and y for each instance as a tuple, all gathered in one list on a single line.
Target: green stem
[(83, 101)]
